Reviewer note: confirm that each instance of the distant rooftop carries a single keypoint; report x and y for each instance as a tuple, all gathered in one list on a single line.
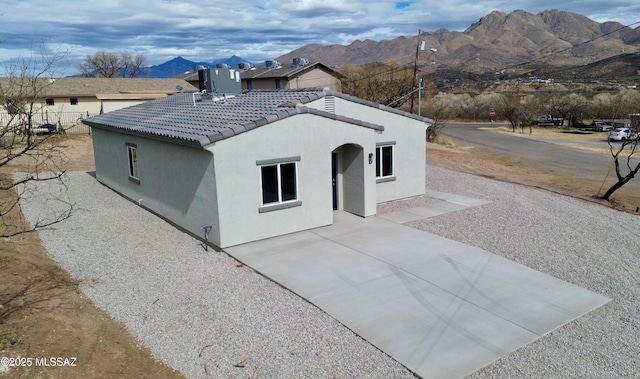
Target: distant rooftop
[(135, 87)]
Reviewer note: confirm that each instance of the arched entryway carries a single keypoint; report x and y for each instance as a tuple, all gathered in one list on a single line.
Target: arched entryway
[(348, 186)]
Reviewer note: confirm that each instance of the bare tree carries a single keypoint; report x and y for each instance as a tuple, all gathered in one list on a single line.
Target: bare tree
[(26, 158), (562, 105), (507, 107), (111, 65), (380, 83), (526, 112), (132, 65), (626, 168)]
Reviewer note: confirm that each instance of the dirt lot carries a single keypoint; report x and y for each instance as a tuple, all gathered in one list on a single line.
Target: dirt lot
[(503, 169), (44, 315)]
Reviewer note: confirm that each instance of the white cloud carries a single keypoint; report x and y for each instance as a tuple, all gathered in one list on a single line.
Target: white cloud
[(257, 30)]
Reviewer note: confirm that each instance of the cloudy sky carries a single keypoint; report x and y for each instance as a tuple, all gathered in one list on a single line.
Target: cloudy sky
[(205, 30)]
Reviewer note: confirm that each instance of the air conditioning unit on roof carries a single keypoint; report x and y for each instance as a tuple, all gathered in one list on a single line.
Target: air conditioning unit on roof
[(221, 81), (271, 64), (299, 62)]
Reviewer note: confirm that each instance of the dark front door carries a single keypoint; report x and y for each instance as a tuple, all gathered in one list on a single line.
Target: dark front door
[(334, 183)]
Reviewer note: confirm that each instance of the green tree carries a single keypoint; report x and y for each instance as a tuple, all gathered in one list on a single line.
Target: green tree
[(626, 102), (483, 103), (602, 106), (439, 109)]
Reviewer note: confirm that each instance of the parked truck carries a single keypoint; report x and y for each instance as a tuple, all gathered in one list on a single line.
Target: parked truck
[(548, 120)]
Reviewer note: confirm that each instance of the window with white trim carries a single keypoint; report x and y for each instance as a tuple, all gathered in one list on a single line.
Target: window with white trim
[(384, 161), (132, 154), (279, 183)]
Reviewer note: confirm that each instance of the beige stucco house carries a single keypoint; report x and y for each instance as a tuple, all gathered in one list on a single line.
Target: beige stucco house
[(260, 164), (273, 75), (299, 74), (95, 95)]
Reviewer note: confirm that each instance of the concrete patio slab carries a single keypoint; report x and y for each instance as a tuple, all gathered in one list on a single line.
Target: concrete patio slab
[(445, 203), (453, 198), (441, 308)]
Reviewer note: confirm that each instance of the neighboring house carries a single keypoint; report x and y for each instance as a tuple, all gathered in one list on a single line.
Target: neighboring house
[(96, 95), (299, 74), (261, 164)]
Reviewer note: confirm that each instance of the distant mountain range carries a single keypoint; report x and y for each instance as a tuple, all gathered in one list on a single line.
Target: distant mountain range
[(548, 44), (179, 65)]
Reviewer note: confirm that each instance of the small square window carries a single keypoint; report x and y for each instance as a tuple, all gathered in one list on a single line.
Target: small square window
[(384, 161), (50, 101), (73, 101), (279, 183)]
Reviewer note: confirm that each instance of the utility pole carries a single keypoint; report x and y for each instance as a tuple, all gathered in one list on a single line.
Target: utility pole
[(415, 68)]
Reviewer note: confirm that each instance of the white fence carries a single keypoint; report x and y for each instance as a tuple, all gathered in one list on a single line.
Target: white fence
[(69, 122)]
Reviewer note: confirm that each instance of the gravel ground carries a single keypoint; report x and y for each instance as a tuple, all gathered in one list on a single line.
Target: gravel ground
[(582, 243), (203, 313)]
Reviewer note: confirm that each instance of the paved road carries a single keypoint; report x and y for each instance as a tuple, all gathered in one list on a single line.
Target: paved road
[(531, 150)]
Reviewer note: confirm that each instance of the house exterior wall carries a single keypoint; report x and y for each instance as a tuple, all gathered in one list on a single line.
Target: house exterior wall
[(312, 139), (315, 79), (175, 182), (87, 104), (257, 83), (408, 137)]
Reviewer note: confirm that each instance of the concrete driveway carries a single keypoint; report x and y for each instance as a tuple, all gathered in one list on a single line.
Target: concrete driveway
[(441, 308)]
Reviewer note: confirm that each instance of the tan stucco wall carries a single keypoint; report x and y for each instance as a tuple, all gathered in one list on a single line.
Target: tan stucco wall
[(269, 83), (314, 79)]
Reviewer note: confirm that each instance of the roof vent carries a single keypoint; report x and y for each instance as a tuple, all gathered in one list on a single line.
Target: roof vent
[(222, 65), (299, 62), (271, 64), (244, 66)]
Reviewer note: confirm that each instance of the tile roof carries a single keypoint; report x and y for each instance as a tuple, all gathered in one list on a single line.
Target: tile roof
[(191, 119), (79, 87), (286, 71)]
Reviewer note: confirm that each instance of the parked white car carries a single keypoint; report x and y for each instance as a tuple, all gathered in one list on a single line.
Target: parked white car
[(622, 134)]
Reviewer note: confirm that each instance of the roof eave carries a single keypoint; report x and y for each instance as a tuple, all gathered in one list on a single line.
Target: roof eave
[(194, 143)]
